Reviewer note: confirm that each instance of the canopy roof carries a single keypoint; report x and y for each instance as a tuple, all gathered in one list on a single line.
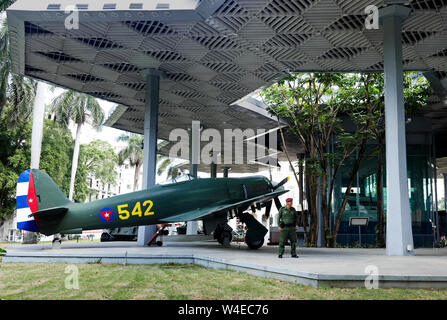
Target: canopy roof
[(213, 53)]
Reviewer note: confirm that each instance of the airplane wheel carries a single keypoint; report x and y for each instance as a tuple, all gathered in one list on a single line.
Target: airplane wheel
[(159, 243), (255, 244), (105, 237), (56, 243), (225, 238)]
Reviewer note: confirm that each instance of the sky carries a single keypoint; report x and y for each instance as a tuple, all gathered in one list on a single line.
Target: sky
[(89, 134)]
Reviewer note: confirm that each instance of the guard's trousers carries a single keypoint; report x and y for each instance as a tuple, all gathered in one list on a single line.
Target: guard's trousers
[(287, 233)]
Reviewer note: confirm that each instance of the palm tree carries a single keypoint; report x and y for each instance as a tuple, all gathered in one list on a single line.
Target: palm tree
[(81, 109), (17, 92), (4, 4), (134, 153)]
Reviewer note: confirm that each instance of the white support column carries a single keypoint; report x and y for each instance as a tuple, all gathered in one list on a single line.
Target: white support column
[(36, 142), (150, 143), (399, 235), (38, 115), (194, 159)]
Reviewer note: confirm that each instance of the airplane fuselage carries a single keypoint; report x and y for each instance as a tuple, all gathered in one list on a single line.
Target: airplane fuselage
[(151, 206)]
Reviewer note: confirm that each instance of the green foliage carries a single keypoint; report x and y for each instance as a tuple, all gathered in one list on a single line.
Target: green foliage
[(78, 107), (4, 4), (100, 160), (16, 92), (15, 157), (315, 106), (96, 159), (133, 151)]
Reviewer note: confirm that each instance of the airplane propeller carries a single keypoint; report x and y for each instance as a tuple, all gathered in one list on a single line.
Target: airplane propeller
[(268, 207), (277, 203), (281, 183), (268, 204)]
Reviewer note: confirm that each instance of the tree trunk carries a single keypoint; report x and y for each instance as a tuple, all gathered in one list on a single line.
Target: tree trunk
[(74, 164), (341, 210), (380, 228), (312, 184), (137, 176), (325, 207), (304, 216)]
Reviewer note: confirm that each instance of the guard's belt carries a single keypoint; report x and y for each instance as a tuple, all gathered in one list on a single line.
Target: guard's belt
[(289, 225)]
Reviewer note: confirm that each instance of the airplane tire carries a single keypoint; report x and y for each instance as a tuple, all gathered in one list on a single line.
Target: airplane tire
[(225, 238), (159, 243), (254, 245), (105, 237), (57, 242)]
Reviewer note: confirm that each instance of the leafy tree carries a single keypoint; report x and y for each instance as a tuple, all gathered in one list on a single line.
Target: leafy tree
[(57, 149), (15, 90), (4, 4), (367, 96), (99, 160), (133, 152), (313, 105), (81, 109)]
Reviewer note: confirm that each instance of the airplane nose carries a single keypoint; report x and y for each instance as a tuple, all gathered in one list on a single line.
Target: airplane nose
[(277, 185)]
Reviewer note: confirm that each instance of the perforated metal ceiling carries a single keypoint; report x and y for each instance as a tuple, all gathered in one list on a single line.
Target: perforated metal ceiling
[(213, 52)]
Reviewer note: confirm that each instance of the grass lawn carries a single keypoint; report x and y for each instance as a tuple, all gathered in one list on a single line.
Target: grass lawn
[(170, 281)]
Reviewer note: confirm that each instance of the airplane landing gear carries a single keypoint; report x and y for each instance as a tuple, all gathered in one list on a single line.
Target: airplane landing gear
[(254, 237), (223, 234), (56, 244), (255, 244)]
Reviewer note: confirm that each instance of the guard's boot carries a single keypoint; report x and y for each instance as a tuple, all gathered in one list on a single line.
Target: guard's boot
[(280, 256)]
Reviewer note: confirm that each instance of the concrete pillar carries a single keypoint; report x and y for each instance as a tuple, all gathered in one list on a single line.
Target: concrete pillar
[(194, 156), (399, 236), (36, 143), (150, 143), (38, 114)]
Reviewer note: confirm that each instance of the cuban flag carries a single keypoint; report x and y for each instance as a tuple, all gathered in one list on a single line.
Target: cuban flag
[(26, 203)]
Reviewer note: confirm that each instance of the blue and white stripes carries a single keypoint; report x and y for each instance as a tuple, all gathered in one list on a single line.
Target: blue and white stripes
[(24, 221)]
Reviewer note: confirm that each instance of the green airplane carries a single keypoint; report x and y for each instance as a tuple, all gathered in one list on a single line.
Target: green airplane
[(43, 207)]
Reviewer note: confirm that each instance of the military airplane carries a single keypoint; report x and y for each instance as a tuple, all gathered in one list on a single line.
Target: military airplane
[(43, 207)]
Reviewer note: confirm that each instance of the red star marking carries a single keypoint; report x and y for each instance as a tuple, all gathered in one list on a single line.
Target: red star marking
[(106, 215)]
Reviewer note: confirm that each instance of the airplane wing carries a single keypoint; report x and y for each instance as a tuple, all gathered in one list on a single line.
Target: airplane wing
[(202, 212)]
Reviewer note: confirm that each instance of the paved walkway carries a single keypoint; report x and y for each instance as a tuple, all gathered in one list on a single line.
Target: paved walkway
[(315, 266)]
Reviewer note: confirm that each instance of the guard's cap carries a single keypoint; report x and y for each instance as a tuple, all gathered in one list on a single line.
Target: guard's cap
[(289, 200)]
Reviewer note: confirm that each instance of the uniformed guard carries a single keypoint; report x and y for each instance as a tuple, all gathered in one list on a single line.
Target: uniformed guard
[(288, 224)]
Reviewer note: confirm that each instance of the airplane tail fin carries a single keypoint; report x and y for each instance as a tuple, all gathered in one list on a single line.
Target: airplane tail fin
[(36, 191)]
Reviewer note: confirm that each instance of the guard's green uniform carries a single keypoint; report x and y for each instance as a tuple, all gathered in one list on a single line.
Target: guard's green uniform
[(290, 219)]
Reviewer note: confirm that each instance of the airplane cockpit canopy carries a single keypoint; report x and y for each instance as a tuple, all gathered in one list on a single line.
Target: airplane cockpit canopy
[(181, 178)]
